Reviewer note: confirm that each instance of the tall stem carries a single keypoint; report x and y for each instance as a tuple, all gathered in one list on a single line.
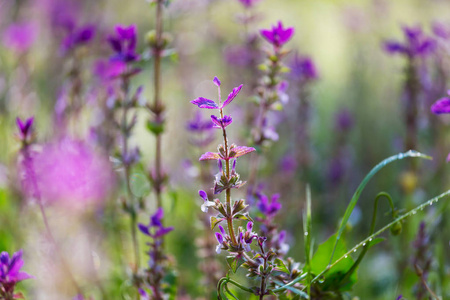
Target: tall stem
[(228, 191), (125, 146)]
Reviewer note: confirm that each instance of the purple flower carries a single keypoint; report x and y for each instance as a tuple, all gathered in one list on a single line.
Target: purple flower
[(197, 124), (417, 43), (221, 122), (303, 68), (124, 43), (442, 106), (210, 104), (25, 129), (155, 229), (220, 240), (77, 36), (107, 70), (206, 202), (344, 120), (10, 273), (268, 207), (19, 37), (278, 36)]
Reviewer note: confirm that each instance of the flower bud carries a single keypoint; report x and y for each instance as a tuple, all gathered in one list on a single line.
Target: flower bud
[(396, 228)]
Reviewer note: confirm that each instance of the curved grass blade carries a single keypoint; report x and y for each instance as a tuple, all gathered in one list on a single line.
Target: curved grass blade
[(357, 194)]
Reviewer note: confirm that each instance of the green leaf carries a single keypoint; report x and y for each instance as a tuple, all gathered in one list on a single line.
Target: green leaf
[(281, 266), (357, 194), (333, 277), (140, 185), (215, 221), (243, 217), (235, 262), (155, 127)]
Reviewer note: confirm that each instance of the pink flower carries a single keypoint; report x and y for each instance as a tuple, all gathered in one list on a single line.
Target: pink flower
[(73, 174)]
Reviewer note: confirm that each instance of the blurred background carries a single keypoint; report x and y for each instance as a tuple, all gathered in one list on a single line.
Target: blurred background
[(355, 120)]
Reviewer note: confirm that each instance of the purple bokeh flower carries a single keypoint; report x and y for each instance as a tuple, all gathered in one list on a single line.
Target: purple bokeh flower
[(72, 173), (25, 128), (441, 106), (417, 43), (155, 229), (344, 120), (278, 36), (77, 36), (303, 68), (269, 207), (10, 273), (19, 37), (124, 43), (441, 30)]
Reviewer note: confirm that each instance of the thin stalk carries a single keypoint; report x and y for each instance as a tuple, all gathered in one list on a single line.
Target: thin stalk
[(386, 227), (125, 134)]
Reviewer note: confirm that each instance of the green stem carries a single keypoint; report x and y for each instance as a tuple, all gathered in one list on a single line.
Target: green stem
[(386, 227)]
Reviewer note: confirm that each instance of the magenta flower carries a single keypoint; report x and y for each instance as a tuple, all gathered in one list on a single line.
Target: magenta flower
[(442, 106), (269, 207), (25, 129), (124, 43), (10, 273), (417, 43), (303, 68), (19, 37), (221, 123), (155, 229), (277, 36), (77, 37), (72, 174)]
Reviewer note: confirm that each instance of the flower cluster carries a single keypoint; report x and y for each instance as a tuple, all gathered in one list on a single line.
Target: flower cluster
[(417, 43), (10, 274)]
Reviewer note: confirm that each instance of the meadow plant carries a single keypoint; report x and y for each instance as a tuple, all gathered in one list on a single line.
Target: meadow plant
[(11, 274)]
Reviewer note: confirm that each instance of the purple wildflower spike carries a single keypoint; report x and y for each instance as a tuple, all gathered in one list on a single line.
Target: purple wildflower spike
[(442, 106), (278, 36), (216, 81)]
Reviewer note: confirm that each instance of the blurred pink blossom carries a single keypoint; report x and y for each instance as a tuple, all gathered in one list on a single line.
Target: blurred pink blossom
[(19, 37), (73, 174)]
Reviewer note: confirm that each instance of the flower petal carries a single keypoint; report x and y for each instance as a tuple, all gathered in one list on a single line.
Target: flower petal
[(442, 106), (231, 96), (216, 81), (205, 103), (209, 156), (240, 150)]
